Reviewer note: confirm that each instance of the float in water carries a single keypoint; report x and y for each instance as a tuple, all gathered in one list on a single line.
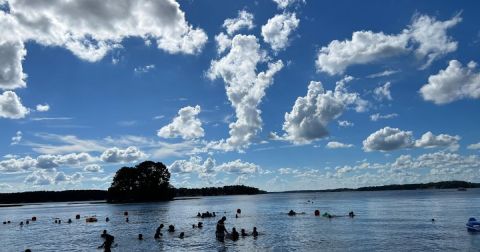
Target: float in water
[(473, 225)]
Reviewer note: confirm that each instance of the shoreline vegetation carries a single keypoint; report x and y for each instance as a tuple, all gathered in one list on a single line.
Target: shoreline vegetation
[(13, 199)]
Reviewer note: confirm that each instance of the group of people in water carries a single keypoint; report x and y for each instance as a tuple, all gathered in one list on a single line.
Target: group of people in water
[(351, 214), (221, 231)]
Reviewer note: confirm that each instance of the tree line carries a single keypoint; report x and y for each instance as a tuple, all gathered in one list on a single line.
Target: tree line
[(147, 181)]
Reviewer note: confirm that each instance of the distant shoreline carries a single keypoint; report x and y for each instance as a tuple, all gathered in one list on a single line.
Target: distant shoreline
[(73, 196), (398, 187)]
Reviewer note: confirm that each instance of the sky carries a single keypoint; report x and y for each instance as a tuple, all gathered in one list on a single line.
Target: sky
[(276, 94)]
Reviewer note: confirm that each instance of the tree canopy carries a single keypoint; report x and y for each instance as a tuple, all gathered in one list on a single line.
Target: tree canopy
[(147, 181)]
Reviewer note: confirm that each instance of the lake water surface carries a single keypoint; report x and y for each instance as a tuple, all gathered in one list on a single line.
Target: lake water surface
[(385, 221)]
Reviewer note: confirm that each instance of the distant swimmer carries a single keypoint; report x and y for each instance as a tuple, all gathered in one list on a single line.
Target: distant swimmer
[(199, 215), (28, 250), (242, 232), (140, 237), (239, 211), (125, 213), (351, 214), (158, 232), (69, 221), (255, 233), (200, 224), (127, 220), (77, 216), (171, 228), (107, 219), (292, 213), (234, 234), (317, 213), (21, 223), (221, 230), (182, 235), (27, 222)]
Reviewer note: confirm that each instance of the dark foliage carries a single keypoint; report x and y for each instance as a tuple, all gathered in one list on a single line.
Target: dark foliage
[(147, 181), (51, 196), (432, 185), (212, 191)]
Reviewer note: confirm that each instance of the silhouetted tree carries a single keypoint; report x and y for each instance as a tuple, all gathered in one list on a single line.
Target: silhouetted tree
[(147, 181)]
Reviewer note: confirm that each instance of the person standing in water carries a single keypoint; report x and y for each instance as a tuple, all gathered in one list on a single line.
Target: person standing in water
[(221, 230)]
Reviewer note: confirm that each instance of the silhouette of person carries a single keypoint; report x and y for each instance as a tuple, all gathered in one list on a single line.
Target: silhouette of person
[(171, 228), (140, 237), (255, 233), (242, 232), (182, 235), (221, 230), (234, 234), (107, 245)]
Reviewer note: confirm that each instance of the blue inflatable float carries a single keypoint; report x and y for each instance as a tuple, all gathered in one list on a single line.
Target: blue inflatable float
[(473, 225)]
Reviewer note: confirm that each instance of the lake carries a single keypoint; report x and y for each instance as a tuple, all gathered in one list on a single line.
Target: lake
[(385, 221)]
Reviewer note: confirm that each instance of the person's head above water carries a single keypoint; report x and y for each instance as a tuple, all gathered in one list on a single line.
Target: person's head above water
[(224, 218), (140, 236), (104, 231)]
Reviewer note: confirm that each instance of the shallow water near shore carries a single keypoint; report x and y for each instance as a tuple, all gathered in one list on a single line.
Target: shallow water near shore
[(385, 221)]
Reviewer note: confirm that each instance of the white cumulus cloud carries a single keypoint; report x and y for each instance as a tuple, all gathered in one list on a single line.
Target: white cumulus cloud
[(245, 88), (311, 114), (11, 106), (12, 54), (243, 20), (337, 145), (186, 125), (116, 155), (277, 30), (426, 37), (388, 139), (453, 83), (43, 107), (429, 140)]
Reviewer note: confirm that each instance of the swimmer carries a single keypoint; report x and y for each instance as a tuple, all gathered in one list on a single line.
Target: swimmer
[(69, 221), (234, 234), (317, 212), (200, 224), (140, 237), (292, 213), (171, 228), (351, 214), (255, 233), (182, 235), (242, 232), (127, 220), (107, 219)]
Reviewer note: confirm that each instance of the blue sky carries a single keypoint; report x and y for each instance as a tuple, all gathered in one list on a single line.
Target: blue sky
[(282, 95)]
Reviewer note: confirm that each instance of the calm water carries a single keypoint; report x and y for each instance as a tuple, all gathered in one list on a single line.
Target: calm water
[(385, 221)]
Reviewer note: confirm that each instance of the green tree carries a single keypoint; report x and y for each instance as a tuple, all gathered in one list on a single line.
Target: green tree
[(147, 181)]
